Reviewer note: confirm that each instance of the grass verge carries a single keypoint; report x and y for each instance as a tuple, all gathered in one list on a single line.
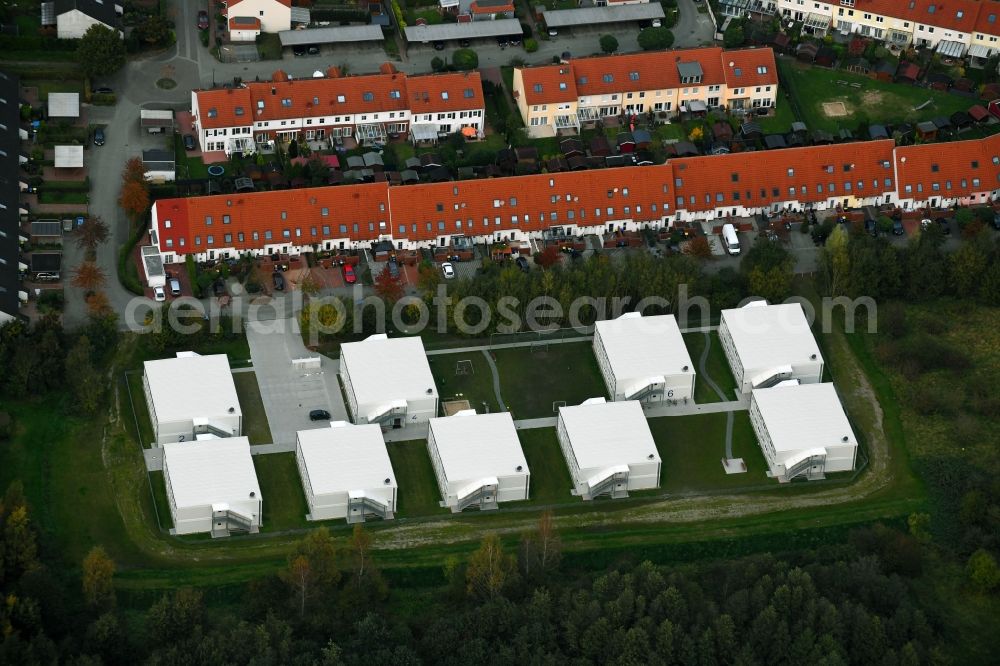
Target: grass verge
[(418, 490), (550, 479), (476, 386), (281, 489), (255, 425)]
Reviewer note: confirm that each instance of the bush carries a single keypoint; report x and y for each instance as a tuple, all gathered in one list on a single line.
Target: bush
[(733, 37), (192, 271), (130, 278), (609, 44), (104, 99), (465, 59), (651, 39), (437, 64), (531, 45), (525, 30)]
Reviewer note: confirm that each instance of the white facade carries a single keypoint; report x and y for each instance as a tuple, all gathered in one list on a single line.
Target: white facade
[(346, 472), (477, 460), (212, 486), (765, 344), (191, 395), (608, 447), (644, 358), (388, 381), (74, 24), (803, 431), (274, 16)]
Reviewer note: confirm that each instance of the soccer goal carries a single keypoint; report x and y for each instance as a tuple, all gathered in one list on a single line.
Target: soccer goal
[(464, 367), (556, 404), (540, 347)]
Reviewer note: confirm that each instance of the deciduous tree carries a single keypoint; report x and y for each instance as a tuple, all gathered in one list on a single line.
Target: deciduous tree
[(133, 171), (98, 572), (101, 51), (608, 43), (698, 247), (652, 39), (93, 232), (490, 569), (134, 199), (89, 276), (82, 377), (388, 287), (547, 257), (541, 549)]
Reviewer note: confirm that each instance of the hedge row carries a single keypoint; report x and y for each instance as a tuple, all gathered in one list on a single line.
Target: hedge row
[(130, 279), (28, 43)]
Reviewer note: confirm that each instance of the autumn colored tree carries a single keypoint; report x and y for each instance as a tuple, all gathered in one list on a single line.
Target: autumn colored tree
[(698, 247), (366, 576), (93, 232), (134, 199), (134, 171), (98, 304), (541, 549), (547, 257), (490, 570), (89, 277), (98, 572), (388, 287), (312, 568)]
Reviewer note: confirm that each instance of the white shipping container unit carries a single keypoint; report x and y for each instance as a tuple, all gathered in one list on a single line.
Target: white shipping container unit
[(766, 344), (212, 486), (803, 431), (644, 358), (346, 472), (388, 381), (191, 396), (477, 460), (608, 447)]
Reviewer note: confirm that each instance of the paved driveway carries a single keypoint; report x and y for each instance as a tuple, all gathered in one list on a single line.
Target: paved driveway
[(290, 392)]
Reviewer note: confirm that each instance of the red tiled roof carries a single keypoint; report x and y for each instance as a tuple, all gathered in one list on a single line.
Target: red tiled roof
[(602, 75), (750, 179), (491, 9), (312, 97), (945, 13), (244, 23), (949, 165), (232, 3)]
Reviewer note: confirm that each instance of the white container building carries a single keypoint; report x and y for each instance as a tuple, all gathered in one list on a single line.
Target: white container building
[(766, 344), (212, 486), (477, 460), (803, 430), (346, 472), (644, 358), (608, 448), (388, 381), (191, 397)]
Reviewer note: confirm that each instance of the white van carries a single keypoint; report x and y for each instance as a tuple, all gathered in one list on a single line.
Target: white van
[(730, 239)]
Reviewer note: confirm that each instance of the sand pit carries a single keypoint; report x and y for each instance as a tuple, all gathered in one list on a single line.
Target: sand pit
[(834, 109)]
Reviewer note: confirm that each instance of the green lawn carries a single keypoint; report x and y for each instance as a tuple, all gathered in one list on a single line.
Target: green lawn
[(781, 121), (432, 16), (63, 197), (141, 409), (531, 380), (692, 449), (46, 86), (190, 167), (269, 46), (281, 489), (418, 490), (550, 480), (872, 102), (255, 425), (160, 498), (716, 365), (476, 387)]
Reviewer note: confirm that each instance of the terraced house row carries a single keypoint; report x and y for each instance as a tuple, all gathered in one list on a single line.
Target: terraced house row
[(578, 93), (518, 208), (955, 28), (11, 185), (371, 108)]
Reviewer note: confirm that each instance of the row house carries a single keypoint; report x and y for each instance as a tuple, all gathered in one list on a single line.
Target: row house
[(272, 15), (11, 185), (564, 98), (518, 209), (954, 29), (371, 108)]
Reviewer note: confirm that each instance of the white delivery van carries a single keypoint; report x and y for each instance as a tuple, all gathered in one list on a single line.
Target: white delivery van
[(730, 239)]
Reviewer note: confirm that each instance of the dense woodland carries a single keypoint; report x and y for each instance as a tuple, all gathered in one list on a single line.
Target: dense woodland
[(870, 596)]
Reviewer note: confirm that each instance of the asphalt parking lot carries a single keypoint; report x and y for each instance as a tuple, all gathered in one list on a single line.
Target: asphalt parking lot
[(290, 392)]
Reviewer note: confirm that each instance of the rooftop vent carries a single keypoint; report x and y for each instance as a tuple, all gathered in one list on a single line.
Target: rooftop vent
[(845, 438), (430, 391), (253, 494), (684, 369), (519, 468), (387, 481), (650, 456), (232, 410), (812, 357)]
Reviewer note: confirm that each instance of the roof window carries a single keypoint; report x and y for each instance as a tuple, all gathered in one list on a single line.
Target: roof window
[(286, 102), (633, 76), (444, 94), (341, 99), (238, 110), (468, 93), (762, 69), (608, 78), (394, 94), (537, 87), (213, 112)]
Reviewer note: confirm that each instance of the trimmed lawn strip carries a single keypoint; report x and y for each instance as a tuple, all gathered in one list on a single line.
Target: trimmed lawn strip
[(692, 449), (281, 489), (550, 479), (255, 425), (418, 489), (531, 380), (138, 396), (159, 484), (716, 365), (476, 387)]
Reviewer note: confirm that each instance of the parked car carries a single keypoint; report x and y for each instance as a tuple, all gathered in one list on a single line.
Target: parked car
[(188, 142), (350, 277), (99, 137), (175, 287), (897, 228), (553, 32), (449, 270), (203, 20), (464, 43), (319, 415), (279, 281), (944, 225), (439, 46), (46, 277), (158, 294), (103, 90), (393, 268), (522, 263), (298, 50), (312, 49), (926, 223), (871, 227)]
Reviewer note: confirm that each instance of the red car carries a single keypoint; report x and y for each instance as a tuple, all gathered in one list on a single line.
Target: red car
[(203, 20), (349, 275)]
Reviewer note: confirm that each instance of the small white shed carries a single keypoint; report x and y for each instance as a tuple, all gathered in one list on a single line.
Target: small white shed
[(608, 447), (477, 460), (212, 486), (346, 472)]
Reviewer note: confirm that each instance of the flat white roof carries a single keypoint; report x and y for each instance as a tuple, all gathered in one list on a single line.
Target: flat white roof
[(211, 471), (473, 446), (771, 335), (604, 434), (804, 417), (567, 18), (67, 157), (644, 346), (64, 104), (192, 386), (347, 33), (345, 458), (471, 30), (384, 369)]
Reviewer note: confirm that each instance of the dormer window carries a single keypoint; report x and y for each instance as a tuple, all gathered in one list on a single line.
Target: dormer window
[(468, 93), (444, 94), (394, 94), (608, 78), (341, 99), (633, 76), (368, 97), (286, 102), (762, 70), (238, 110), (213, 112)]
